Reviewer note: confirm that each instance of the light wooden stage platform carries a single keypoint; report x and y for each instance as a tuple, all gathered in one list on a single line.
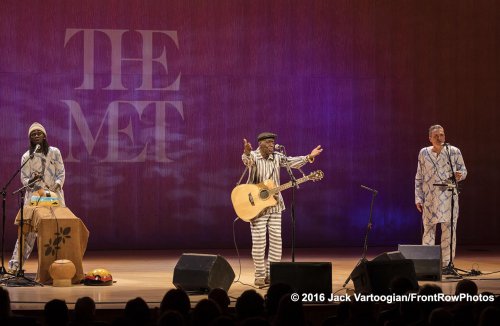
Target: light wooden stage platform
[(148, 274)]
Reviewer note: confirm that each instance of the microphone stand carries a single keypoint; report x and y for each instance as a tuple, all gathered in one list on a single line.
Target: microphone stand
[(3, 271), (450, 269), (20, 279), (292, 205), (368, 229)]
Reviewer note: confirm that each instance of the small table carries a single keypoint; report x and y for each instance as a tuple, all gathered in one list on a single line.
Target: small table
[(61, 235)]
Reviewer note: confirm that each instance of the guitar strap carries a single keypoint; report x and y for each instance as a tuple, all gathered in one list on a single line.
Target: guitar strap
[(247, 168), (274, 167), (242, 175)]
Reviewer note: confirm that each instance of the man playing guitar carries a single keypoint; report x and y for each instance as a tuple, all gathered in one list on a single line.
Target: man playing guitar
[(264, 164)]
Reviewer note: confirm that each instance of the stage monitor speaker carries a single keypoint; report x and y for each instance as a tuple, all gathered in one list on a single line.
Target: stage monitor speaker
[(375, 277), (202, 273), (427, 261), (304, 277), (388, 256)]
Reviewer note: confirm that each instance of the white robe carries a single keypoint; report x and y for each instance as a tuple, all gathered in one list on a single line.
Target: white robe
[(435, 169), (52, 169)]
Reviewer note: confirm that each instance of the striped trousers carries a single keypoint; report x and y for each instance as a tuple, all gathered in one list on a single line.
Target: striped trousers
[(259, 227), (429, 238), (29, 242)]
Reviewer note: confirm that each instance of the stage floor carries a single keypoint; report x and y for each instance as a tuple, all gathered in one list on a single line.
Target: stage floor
[(149, 274)]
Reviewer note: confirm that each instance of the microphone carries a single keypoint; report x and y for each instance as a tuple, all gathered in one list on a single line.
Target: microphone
[(278, 147), (34, 180), (370, 189), (37, 147)]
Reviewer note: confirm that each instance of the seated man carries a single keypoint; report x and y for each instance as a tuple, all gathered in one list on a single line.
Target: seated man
[(43, 171)]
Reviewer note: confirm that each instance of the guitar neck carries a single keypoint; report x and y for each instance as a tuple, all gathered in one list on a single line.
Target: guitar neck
[(289, 184)]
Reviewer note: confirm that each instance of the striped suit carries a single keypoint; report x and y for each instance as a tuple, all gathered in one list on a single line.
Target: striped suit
[(261, 169)]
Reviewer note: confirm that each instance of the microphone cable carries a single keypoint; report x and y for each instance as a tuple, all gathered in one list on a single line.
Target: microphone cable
[(247, 168), (239, 258)]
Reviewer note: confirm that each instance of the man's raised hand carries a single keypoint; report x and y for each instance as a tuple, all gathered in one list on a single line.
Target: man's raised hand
[(247, 147)]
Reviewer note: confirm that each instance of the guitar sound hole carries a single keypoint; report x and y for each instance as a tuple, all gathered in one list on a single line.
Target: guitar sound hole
[(264, 194)]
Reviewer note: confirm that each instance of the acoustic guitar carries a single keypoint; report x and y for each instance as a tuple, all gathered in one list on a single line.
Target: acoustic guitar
[(249, 200)]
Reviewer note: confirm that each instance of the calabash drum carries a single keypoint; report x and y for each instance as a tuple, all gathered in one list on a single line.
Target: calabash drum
[(62, 271)]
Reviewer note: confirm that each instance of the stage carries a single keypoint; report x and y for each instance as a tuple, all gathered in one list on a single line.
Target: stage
[(149, 274)]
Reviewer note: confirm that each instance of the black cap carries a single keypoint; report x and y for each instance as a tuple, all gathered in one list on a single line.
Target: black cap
[(266, 135)]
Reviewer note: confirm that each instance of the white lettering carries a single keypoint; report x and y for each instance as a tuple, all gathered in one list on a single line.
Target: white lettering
[(113, 114)]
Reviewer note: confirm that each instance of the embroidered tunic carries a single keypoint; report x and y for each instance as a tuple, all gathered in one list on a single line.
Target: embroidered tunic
[(435, 169), (51, 167)]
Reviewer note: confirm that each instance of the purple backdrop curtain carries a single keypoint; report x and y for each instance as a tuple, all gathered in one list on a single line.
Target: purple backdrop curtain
[(149, 102)]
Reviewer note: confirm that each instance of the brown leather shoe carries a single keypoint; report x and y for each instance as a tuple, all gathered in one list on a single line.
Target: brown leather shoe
[(260, 282)]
